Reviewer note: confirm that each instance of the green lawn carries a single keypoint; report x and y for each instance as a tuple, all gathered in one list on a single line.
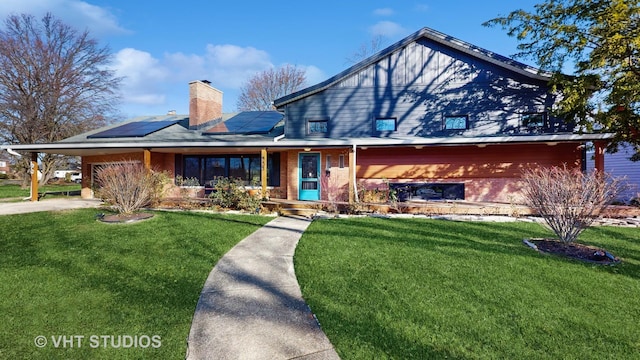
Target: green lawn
[(429, 289), (66, 274), (14, 191)]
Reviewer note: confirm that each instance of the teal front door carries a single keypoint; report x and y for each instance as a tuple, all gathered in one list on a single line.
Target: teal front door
[(309, 173)]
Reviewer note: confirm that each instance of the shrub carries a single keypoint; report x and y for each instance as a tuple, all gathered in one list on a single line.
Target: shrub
[(567, 199), (128, 187), (334, 192), (230, 193)]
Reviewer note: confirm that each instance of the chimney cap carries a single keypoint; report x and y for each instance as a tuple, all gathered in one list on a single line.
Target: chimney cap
[(206, 81)]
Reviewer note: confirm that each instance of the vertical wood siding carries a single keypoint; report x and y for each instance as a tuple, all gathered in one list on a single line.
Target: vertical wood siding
[(419, 85), (619, 165)]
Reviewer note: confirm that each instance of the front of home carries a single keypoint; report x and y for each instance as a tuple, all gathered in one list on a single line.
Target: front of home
[(430, 116)]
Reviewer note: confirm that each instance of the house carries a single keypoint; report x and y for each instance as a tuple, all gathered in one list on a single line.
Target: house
[(431, 116), (619, 164), (4, 167)]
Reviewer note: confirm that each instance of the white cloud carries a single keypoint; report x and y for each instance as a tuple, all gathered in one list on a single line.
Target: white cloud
[(231, 65), (226, 66), (314, 74), (78, 14), (143, 76), (383, 12), (148, 79), (387, 29)]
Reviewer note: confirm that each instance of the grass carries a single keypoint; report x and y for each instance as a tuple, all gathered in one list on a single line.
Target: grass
[(64, 273), (429, 289), (14, 191)]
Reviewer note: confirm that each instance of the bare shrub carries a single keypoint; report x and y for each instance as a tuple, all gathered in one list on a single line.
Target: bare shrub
[(334, 191), (129, 187), (567, 199)]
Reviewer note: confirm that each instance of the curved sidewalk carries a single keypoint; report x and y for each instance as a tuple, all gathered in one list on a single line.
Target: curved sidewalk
[(251, 306)]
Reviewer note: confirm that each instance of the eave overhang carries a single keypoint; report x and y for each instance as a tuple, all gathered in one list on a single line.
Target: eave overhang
[(106, 148)]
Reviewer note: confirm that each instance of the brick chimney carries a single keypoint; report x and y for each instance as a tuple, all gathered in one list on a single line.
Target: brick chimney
[(205, 103)]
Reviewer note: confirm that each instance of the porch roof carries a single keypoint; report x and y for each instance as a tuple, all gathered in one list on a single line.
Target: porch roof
[(246, 142)]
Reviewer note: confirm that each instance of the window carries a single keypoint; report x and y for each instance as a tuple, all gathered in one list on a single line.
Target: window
[(386, 124), (456, 122), (341, 161), (533, 120), (328, 163), (3, 164), (246, 167), (317, 127)]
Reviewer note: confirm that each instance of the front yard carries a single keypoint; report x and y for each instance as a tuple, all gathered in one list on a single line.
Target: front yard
[(381, 288), (103, 291), (429, 289)]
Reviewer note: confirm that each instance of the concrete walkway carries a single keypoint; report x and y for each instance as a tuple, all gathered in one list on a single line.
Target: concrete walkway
[(251, 306), (23, 207)]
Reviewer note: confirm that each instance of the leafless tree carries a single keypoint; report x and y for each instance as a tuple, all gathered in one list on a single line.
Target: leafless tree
[(54, 83), (365, 50), (258, 93), (569, 200)]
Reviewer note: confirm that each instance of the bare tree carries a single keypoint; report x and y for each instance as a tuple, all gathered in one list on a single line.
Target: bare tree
[(259, 92), (54, 83), (365, 50), (569, 200)]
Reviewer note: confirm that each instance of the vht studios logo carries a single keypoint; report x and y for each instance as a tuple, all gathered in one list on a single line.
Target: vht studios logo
[(99, 341)]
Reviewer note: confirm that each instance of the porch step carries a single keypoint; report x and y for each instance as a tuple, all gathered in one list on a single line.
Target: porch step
[(298, 211)]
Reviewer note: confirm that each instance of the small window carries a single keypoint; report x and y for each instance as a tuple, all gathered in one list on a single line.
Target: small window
[(341, 161), (328, 163), (456, 122), (533, 120), (317, 127), (386, 124)]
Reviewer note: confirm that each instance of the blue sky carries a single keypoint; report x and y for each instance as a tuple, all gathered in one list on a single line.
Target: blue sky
[(160, 46)]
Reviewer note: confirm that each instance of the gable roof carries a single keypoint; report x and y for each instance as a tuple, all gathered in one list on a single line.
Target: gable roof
[(430, 34)]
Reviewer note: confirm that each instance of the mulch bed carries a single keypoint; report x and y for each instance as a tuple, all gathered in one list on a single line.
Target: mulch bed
[(124, 218), (573, 251)]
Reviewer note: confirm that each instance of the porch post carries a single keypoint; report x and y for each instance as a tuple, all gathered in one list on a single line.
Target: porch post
[(353, 196), (147, 159), (263, 171), (34, 176), (599, 155)]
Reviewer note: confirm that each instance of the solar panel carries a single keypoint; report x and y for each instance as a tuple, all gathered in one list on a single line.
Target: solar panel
[(133, 129), (248, 122)]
